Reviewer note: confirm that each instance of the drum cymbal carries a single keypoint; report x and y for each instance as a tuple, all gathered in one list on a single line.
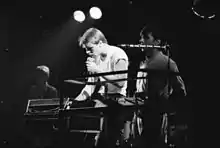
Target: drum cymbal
[(80, 82), (93, 83), (153, 71), (101, 82)]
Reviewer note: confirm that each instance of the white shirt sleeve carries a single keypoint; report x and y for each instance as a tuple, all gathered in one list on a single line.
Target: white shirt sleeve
[(141, 83), (89, 89)]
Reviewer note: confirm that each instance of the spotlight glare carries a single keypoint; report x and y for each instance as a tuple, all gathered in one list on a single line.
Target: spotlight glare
[(79, 16), (95, 13)]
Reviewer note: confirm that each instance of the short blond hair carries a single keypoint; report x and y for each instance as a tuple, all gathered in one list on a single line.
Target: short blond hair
[(92, 35)]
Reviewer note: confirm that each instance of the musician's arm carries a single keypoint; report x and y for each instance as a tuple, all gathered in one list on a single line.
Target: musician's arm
[(53, 92), (177, 83), (86, 92)]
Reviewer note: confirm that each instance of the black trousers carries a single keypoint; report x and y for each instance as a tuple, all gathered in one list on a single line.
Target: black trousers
[(152, 129), (115, 118), (152, 116)]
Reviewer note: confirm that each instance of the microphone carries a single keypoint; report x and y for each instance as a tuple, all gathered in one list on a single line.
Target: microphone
[(141, 46), (90, 59)]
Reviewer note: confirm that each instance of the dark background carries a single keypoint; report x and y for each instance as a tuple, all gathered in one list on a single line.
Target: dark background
[(52, 40)]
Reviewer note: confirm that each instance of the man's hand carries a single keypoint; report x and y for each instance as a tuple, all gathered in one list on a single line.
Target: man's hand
[(80, 97), (92, 67)]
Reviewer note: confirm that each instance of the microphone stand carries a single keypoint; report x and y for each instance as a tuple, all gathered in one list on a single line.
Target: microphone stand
[(104, 119), (62, 122), (135, 122), (168, 94), (168, 69)]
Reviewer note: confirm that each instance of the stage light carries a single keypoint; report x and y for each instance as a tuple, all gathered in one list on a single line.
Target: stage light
[(79, 16), (95, 13), (203, 9)]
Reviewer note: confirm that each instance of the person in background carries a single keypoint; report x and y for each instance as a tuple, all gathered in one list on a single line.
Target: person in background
[(155, 89), (42, 131)]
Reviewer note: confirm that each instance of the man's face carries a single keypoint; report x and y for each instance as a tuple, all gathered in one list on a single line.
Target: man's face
[(93, 50), (149, 40), (41, 78)]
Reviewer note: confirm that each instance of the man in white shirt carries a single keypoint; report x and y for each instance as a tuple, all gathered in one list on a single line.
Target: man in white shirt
[(102, 58)]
